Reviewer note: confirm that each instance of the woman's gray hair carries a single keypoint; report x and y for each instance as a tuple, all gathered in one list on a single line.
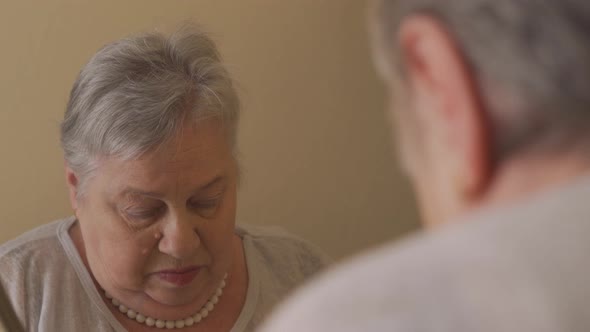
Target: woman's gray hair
[(136, 93), (531, 59)]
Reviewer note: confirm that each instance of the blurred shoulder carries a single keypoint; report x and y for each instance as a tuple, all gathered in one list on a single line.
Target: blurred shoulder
[(382, 289), (460, 278)]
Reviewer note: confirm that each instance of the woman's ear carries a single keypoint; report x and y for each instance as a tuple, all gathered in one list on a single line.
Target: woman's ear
[(73, 185)]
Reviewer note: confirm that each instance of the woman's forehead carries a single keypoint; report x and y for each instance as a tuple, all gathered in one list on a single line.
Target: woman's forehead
[(194, 146)]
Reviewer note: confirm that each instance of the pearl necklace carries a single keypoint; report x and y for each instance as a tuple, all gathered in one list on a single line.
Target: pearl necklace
[(170, 324)]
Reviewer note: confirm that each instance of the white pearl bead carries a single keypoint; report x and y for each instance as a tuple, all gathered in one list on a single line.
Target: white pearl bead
[(219, 292), (116, 302), (197, 318), (179, 324), (204, 312), (149, 321), (131, 314), (170, 324), (140, 318), (189, 321), (123, 309), (209, 306), (160, 323), (222, 283), (214, 299)]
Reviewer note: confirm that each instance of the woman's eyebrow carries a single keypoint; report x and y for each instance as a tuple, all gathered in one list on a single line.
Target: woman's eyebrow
[(217, 180), (135, 192)]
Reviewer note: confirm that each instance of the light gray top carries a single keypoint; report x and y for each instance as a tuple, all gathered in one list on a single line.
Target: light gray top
[(524, 268), (51, 290)]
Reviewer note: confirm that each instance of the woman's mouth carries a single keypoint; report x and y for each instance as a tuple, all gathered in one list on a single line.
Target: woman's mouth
[(179, 277)]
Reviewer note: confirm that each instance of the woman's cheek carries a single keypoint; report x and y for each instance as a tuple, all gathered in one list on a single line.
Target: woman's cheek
[(129, 260), (221, 250)]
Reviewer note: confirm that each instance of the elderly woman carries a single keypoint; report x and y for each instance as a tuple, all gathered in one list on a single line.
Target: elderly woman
[(149, 139)]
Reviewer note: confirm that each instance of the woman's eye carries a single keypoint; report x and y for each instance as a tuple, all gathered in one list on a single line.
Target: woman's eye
[(207, 207), (144, 214), (208, 204)]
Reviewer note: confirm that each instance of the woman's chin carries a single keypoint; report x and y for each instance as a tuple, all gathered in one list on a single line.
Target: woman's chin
[(173, 298), (173, 292)]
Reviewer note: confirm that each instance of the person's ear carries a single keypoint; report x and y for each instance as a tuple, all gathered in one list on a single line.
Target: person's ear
[(73, 186), (447, 97)]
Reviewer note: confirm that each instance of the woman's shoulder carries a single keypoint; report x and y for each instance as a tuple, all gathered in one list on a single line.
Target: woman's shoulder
[(31, 241), (31, 258), (265, 232), (282, 250), (37, 252), (30, 264), (278, 262)]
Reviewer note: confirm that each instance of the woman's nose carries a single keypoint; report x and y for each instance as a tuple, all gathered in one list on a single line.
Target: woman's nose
[(180, 238)]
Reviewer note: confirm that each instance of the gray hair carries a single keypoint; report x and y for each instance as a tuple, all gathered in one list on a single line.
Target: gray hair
[(531, 59), (136, 93)]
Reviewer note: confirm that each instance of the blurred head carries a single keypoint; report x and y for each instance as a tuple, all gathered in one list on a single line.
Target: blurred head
[(478, 84), (149, 143)]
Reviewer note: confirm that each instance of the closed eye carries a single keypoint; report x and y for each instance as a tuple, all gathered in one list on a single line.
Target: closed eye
[(144, 214), (206, 207)]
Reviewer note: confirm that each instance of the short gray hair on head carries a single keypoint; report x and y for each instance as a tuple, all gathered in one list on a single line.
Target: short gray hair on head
[(136, 93), (531, 59)]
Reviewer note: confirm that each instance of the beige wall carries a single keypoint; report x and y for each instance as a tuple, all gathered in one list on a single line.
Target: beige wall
[(315, 145)]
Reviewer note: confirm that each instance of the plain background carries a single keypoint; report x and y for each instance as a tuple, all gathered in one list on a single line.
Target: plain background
[(314, 139)]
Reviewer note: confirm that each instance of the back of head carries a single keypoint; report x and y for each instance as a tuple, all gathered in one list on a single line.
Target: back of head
[(531, 59)]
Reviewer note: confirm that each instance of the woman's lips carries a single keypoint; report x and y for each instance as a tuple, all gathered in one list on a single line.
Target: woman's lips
[(179, 277)]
